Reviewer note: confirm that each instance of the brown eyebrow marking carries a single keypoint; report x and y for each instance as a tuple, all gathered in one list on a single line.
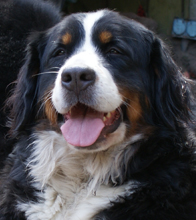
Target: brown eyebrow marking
[(66, 38), (105, 36)]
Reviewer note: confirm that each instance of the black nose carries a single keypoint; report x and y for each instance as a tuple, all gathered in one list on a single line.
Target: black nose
[(77, 79)]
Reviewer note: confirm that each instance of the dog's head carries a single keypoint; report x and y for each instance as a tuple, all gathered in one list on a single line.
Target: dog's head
[(101, 78)]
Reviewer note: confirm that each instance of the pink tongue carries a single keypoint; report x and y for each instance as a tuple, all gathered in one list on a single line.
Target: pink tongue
[(83, 127)]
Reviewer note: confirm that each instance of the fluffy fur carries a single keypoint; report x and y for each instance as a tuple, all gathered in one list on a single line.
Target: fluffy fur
[(103, 67), (18, 18)]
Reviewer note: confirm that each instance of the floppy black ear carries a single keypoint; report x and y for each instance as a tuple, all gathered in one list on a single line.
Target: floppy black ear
[(169, 92), (23, 100)]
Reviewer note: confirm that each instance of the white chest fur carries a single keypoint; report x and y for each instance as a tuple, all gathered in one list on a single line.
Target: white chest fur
[(75, 185), (83, 206)]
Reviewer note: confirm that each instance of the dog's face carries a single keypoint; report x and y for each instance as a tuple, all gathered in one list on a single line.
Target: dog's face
[(98, 76)]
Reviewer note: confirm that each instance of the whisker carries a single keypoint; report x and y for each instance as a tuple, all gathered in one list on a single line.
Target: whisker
[(40, 108), (51, 70), (129, 105), (120, 111), (42, 73), (55, 67), (45, 97), (126, 103), (43, 101)]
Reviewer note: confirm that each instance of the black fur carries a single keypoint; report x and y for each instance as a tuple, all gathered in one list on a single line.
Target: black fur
[(18, 19), (17, 186)]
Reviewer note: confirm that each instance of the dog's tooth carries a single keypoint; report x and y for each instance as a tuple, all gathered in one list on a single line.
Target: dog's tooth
[(69, 112), (108, 115), (104, 118)]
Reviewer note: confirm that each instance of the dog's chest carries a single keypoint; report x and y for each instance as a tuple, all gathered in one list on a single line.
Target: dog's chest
[(76, 185), (72, 205)]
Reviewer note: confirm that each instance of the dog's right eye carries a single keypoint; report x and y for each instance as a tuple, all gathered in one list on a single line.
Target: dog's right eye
[(59, 52)]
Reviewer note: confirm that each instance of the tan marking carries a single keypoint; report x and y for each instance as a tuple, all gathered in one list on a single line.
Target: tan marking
[(134, 110), (66, 38), (105, 37), (50, 111), (135, 113)]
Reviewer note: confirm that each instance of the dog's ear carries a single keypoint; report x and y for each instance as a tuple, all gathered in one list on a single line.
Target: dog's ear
[(168, 91), (23, 100)]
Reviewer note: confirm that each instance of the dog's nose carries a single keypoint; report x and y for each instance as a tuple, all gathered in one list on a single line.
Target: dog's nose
[(77, 79)]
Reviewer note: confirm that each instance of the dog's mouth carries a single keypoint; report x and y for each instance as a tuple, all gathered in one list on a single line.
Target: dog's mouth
[(84, 126)]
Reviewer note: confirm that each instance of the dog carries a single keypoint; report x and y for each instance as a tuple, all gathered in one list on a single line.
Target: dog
[(101, 114)]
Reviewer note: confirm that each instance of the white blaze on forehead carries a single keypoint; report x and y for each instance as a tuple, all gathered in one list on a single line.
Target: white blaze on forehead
[(88, 24), (85, 56)]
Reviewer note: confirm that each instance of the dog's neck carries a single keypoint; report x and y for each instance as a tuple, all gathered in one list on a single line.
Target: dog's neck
[(54, 163)]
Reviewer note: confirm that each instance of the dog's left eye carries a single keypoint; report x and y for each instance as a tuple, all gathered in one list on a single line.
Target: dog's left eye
[(113, 51)]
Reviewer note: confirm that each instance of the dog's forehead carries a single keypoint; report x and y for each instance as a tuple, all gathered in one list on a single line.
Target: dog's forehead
[(91, 23)]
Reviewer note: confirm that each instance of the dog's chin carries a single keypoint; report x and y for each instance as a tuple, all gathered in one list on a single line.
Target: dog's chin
[(86, 129)]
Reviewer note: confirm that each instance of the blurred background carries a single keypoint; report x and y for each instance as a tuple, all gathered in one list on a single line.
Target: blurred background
[(173, 20)]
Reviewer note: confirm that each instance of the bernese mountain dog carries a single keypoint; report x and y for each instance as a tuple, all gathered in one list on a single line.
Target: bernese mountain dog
[(101, 115)]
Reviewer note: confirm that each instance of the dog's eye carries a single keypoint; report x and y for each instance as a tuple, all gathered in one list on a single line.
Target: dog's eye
[(113, 51), (59, 52)]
